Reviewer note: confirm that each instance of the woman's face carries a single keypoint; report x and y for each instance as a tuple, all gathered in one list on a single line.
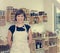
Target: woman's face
[(20, 18)]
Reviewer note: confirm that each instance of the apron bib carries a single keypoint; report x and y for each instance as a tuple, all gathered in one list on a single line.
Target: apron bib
[(20, 42)]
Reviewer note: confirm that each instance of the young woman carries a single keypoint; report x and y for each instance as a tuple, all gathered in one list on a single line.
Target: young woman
[(19, 32)]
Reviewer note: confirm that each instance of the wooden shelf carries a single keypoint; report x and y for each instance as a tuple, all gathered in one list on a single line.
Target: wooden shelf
[(53, 37), (52, 45), (38, 38), (45, 43)]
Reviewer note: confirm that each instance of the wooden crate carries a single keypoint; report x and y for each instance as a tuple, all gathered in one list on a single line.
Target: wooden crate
[(53, 49)]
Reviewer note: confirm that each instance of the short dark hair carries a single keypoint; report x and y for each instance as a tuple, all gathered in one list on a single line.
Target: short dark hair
[(20, 11)]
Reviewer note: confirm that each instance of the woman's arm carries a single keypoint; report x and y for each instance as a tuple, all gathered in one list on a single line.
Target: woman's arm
[(9, 38), (30, 36)]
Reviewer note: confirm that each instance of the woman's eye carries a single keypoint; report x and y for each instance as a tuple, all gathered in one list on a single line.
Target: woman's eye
[(21, 16), (18, 16)]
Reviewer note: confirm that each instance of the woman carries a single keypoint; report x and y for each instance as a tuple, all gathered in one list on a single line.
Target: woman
[(20, 31)]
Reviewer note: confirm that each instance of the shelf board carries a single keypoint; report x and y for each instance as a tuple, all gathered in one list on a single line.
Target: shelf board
[(53, 37), (37, 38), (42, 49), (45, 48), (39, 49), (52, 45), (46, 38)]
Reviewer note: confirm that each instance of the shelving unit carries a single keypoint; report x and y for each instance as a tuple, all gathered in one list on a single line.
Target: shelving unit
[(58, 44), (11, 14), (31, 18), (37, 17), (48, 43), (2, 18)]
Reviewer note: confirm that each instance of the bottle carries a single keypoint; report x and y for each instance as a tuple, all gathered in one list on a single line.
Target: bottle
[(38, 46)]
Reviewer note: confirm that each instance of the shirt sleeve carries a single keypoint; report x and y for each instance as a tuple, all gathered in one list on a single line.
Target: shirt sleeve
[(27, 27), (12, 28)]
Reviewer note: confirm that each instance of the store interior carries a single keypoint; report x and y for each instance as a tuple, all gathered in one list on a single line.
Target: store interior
[(44, 18)]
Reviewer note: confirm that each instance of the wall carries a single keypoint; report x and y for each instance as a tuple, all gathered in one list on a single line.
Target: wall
[(29, 4), (58, 1), (2, 5), (49, 9), (58, 10)]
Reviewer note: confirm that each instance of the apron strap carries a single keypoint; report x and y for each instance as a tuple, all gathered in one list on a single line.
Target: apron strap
[(15, 27), (25, 28)]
